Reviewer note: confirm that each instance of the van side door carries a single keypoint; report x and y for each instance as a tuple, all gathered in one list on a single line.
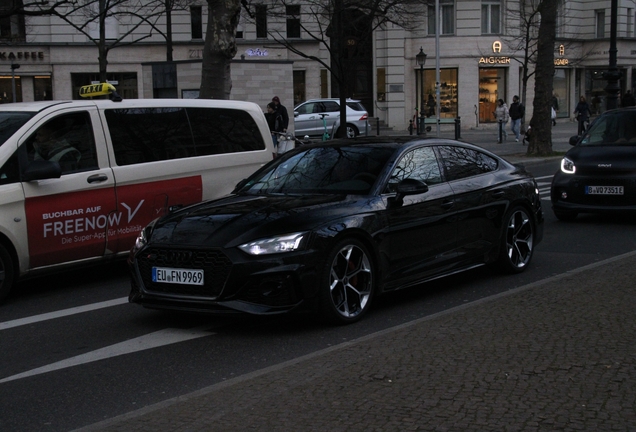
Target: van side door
[(68, 218)]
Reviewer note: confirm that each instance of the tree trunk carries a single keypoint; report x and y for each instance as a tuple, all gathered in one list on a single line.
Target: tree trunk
[(541, 138), (219, 48)]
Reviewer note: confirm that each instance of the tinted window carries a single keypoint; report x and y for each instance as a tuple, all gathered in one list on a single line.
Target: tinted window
[(614, 128), (10, 122), (357, 106), (218, 131), (156, 134), (461, 162), (330, 106), (419, 164), (67, 139)]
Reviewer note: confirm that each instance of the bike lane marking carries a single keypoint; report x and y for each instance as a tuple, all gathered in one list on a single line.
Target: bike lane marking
[(61, 313), (156, 339)]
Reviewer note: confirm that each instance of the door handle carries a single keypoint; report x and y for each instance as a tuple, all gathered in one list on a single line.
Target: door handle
[(498, 194), (97, 178), (447, 204)]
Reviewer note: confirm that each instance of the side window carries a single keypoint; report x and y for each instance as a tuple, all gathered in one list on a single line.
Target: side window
[(220, 130), (10, 172), (461, 162), (330, 106), (67, 139), (141, 135), (307, 108), (420, 164)]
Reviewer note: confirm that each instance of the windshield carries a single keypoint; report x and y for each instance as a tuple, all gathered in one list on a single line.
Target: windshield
[(613, 128), (10, 122), (323, 170)]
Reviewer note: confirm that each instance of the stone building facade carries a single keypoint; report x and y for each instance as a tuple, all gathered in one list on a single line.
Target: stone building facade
[(468, 67)]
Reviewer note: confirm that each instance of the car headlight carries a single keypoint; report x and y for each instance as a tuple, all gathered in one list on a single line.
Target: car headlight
[(567, 166), (144, 235), (272, 245)]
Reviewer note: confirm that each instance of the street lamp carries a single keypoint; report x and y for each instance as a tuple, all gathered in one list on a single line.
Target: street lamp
[(420, 58)]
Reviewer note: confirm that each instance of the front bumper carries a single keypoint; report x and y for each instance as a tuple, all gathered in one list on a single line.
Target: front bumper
[(568, 194), (234, 283)]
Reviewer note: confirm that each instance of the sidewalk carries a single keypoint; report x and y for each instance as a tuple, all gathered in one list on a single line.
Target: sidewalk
[(558, 354), (486, 136)]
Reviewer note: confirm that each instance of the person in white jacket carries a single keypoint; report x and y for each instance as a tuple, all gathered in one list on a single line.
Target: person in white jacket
[(502, 116)]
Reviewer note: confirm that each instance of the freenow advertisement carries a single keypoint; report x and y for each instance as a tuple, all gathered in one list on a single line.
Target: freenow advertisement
[(77, 225)]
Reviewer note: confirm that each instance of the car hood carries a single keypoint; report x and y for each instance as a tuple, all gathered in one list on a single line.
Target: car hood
[(237, 219), (603, 157)]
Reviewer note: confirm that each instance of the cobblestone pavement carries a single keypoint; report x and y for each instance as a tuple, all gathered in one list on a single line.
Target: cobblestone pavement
[(556, 355)]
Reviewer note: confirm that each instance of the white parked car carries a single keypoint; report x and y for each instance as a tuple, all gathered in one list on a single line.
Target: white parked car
[(308, 121)]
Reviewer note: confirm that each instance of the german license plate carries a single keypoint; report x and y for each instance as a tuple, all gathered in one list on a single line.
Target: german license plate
[(177, 276), (604, 190)]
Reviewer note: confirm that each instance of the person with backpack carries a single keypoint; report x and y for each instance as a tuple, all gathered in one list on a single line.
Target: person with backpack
[(516, 112)]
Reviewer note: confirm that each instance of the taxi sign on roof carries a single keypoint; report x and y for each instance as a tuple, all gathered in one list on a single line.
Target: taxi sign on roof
[(97, 90)]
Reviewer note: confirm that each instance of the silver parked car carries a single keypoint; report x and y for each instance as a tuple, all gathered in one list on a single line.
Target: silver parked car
[(308, 121)]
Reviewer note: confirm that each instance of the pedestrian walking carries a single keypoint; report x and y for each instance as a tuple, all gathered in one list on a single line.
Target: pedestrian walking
[(282, 111), (502, 115), (555, 108), (430, 103), (582, 113), (275, 123), (516, 111)]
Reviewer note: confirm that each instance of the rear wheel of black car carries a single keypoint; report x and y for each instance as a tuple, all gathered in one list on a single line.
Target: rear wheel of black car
[(517, 241), (347, 282), (564, 215), (6, 272)]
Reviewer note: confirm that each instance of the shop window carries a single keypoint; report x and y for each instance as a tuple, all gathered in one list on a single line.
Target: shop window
[(492, 85), (381, 85), (561, 91), (42, 88), (448, 97), (6, 89), (324, 83), (293, 21), (446, 18), (490, 17), (261, 21), (196, 22), (600, 23), (299, 87)]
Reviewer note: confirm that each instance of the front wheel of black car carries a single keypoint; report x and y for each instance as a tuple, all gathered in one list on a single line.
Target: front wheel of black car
[(564, 215), (517, 242), (346, 282)]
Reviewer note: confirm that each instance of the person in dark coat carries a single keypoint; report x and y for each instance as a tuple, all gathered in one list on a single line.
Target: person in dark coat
[(582, 113), (282, 111), (628, 99)]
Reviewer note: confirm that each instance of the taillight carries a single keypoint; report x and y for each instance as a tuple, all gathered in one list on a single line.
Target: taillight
[(364, 117)]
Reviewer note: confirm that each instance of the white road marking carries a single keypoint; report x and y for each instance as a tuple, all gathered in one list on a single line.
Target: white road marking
[(153, 340), (62, 313)]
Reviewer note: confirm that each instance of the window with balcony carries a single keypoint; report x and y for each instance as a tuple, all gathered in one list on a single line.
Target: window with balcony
[(490, 17), (293, 21), (446, 19)]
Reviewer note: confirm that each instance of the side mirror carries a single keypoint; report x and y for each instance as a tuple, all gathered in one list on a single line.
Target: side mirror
[(574, 139), (295, 113), (411, 187), (41, 170)]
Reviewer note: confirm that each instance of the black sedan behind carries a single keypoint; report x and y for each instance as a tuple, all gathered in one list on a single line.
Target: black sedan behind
[(330, 226), (598, 175)]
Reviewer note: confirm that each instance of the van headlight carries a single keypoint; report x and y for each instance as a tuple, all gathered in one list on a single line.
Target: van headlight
[(273, 245), (567, 166)]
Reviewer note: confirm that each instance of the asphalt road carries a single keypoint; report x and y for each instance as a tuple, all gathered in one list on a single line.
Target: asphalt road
[(75, 353)]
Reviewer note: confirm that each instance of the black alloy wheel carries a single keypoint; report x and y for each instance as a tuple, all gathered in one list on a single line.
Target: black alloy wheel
[(517, 241), (347, 282)]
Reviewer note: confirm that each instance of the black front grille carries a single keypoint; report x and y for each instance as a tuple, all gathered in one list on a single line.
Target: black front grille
[(216, 268)]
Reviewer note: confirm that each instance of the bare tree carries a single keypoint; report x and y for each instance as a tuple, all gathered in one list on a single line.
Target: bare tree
[(92, 17), (219, 48), (541, 138)]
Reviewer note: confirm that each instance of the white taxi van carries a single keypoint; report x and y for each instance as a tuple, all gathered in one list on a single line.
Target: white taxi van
[(80, 179)]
